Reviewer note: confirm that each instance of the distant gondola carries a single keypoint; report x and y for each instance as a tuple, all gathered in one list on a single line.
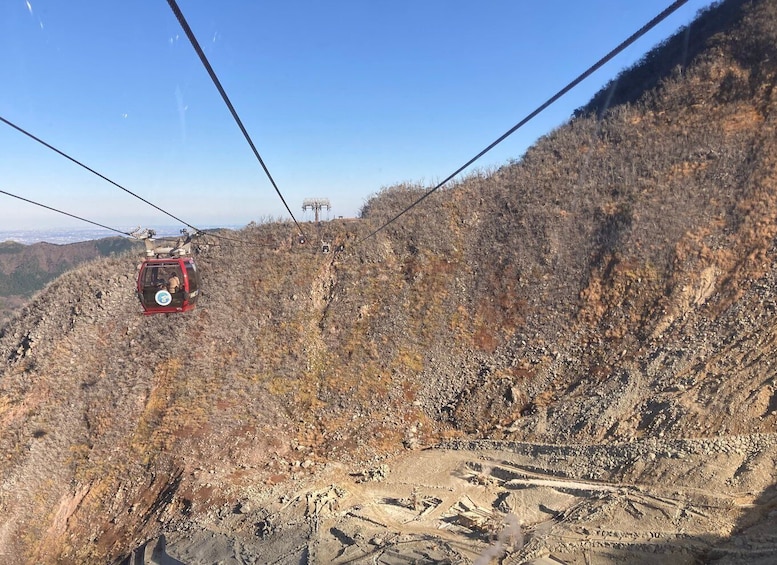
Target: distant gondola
[(168, 281)]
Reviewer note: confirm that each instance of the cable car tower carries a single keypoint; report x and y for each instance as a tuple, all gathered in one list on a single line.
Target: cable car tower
[(316, 204), (168, 281)]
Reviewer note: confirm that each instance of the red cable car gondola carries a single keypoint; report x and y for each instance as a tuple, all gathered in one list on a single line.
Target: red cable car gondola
[(170, 285), (168, 281)]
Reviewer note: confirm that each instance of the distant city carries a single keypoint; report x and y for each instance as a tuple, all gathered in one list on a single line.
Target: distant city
[(61, 236)]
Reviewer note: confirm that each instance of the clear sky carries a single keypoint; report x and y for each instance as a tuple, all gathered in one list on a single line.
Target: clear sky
[(340, 97)]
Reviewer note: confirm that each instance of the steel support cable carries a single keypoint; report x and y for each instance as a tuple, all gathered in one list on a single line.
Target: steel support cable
[(193, 40), (117, 185), (96, 223), (80, 164), (65, 213), (631, 39)]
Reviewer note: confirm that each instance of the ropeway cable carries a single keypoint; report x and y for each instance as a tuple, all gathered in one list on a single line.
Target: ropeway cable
[(65, 213), (193, 40), (636, 35), (80, 164), (114, 183)]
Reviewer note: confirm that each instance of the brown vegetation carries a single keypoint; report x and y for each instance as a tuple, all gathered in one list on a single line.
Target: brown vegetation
[(616, 283), (25, 269)]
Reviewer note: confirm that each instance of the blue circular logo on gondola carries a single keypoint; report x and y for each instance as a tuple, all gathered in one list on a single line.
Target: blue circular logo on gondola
[(163, 297)]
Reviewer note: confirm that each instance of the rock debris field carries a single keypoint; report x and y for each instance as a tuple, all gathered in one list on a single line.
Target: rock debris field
[(649, 501)]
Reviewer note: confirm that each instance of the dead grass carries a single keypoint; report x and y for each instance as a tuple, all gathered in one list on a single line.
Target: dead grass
[(571, 288)]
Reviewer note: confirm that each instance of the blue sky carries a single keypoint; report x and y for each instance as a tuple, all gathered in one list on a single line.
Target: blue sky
[(341, 98)]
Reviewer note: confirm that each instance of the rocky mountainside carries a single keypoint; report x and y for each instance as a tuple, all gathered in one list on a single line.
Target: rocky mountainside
[(599, 313), (25, 269)]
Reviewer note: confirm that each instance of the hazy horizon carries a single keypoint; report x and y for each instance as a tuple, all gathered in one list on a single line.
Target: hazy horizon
[(64, 235)]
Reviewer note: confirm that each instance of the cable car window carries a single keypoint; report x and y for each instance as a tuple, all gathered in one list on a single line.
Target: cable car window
[(151, 277), (192, 275)]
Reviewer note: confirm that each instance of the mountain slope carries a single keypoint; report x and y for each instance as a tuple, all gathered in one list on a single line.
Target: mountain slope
[(614, 285), (25, 269)]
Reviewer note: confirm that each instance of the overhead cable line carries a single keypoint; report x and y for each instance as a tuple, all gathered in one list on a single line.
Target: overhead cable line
[(80, 164), (65, 213), (193, 40), (644, 29)]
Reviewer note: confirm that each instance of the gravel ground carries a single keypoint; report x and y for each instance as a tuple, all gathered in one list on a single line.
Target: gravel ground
[(648, 501)]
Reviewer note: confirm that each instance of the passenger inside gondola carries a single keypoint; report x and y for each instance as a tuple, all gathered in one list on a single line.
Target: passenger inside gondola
[(173, 286), (173, 283)]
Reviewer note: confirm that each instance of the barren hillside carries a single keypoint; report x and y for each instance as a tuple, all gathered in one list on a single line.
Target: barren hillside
[(25, 269), (568, 359)]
